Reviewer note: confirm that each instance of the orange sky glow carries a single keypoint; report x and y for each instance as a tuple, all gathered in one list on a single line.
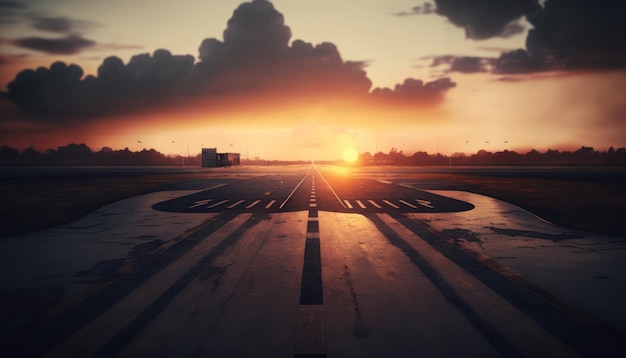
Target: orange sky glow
[(265, 93)]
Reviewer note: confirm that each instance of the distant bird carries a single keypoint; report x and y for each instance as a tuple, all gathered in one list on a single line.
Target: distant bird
[(173, 142), (467, 141), (506, 141), (138, 141), (487, 142)]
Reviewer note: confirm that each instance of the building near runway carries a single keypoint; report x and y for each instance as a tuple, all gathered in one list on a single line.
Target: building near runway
[(212, 159)]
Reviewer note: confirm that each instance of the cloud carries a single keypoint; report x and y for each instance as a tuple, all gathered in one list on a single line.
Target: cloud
[(10, 12), (61, 25), (68, 45), (579, 33), (463, 64), (571, 35), (253, 62), (483, 19), (426, 9), (413, 91)]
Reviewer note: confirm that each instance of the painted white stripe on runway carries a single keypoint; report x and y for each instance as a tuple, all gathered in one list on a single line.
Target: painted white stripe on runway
[(200, 203), (348, 204), (253, 204), (270, 204), (384, 181), (312, 235), (391, 204), (361, 204), (408, 204), (217, 204), (374, 203), (312, 205), (235, 204), (293, 191), (425, 203)]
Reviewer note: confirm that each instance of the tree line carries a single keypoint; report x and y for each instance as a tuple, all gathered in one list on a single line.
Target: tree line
[(582, 156), (81, 154)]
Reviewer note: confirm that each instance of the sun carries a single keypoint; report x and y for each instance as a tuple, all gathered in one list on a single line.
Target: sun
[(350, 155)]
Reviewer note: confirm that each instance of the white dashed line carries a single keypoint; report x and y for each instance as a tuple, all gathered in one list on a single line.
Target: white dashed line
[(374, 203), (253, 204), (270, 204), (391, 204), (217, 204), (235, 204), (408, 204), (425, 203), (200, 203), (361, 204), (348, 204)]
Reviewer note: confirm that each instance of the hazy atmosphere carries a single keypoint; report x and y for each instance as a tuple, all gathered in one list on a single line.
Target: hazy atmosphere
[(307, 80)]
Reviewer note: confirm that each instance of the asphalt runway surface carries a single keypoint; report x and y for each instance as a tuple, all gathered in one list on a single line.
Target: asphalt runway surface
[(307, 262)]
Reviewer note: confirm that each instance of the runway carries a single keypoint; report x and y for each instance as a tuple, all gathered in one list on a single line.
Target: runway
[(312, 262)]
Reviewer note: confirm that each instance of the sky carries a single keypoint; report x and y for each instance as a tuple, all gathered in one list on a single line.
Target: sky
[(293, 79)]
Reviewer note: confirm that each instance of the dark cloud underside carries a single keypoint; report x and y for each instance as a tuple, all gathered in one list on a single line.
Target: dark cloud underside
[(483, 19), (254, 59), (68, 45), (572, 34)]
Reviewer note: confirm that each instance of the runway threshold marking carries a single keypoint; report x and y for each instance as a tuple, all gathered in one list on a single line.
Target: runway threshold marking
[(217, 204), (253, 204), (391, 204), (425, 203), (200, 203), (270, 204), (235, 204), (408, 204), (374, 203), (347, 204), (361, 204)]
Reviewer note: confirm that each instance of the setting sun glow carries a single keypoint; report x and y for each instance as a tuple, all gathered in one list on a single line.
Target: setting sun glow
[(350, 155)]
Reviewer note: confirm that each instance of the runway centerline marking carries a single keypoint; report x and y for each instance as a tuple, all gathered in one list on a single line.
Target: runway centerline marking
[(331, 188)]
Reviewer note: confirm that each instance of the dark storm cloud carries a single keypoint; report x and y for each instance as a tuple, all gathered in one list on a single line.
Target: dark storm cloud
[(254, 59), (426, 9), (571, 35), (68, 45), (463, 64), (10, 12), (415, 91), (580, 33), (483, 19)]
